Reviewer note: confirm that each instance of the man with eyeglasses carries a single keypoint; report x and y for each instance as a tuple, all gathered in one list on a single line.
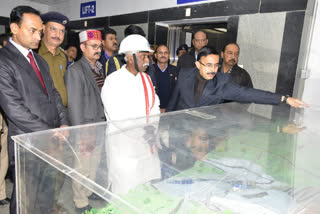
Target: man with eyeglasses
[(165, 76), (205, 86), (84, 80), (188, 60), (53, 35)]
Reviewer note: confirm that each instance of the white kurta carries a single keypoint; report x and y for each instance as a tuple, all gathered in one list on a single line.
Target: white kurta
[(131, 160), (123, 96)]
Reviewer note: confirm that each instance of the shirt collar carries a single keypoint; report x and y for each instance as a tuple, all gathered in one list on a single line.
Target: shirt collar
[(163, 69), (22, 50), (106, 55), (228, 71), (128, 73), (96, 69), (44, 50)]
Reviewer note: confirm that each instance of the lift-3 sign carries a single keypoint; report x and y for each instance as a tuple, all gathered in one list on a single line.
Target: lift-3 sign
[(88, 9), (187, 1)]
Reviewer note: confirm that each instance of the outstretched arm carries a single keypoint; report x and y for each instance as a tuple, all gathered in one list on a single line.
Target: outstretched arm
[(294, 102)]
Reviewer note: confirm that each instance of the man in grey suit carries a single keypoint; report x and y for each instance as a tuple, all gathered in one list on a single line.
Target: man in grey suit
[(84, 80), (28, 97)]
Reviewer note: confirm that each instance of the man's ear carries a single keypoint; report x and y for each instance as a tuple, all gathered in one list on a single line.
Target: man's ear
[(221, 54), (198, 64), (82, 47), (193, 42), (14, 27), (129, 58)]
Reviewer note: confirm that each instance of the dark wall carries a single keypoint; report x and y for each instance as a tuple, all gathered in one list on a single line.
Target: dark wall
[(4, 20)]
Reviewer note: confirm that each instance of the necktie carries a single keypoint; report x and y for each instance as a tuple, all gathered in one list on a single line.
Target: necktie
[(36, 69)]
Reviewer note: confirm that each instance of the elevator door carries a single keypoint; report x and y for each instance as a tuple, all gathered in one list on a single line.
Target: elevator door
[(183, 34)]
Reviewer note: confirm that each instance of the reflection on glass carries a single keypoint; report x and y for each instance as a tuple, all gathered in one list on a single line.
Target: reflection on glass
[(216, 159)]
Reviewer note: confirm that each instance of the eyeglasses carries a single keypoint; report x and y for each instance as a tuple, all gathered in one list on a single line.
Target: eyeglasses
[(96, 47), (210, 65)]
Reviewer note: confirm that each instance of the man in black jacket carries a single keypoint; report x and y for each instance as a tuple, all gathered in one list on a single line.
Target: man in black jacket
[(187, 60), (230, 55), (28, 97), (203, 86)]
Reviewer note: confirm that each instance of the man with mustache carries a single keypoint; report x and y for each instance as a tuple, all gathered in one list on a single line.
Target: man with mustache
[(54, 26), (129, 92), (165, 76), (204, 86), (84, 80), (230, 55), (108, 59), (53, 35), (29, 100)]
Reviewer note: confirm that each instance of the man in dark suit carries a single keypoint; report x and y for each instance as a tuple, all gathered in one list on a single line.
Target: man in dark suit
[(188, 60), (28, 97), (165, 76), (203, 86)]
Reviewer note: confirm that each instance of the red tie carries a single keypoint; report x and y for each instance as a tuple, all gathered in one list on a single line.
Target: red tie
[(36, 69)]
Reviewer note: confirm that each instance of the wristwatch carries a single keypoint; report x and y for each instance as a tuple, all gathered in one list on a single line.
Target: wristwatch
[(285, 99)]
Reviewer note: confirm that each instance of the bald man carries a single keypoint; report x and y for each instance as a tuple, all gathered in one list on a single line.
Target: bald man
[(188, 60)]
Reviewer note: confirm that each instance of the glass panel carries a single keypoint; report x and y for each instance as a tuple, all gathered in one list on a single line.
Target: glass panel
[(216, 159)]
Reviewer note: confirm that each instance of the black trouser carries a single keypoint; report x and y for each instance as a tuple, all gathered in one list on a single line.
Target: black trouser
[(38, 180)]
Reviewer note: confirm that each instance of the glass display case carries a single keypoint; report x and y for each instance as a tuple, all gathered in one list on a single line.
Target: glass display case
[(219, 159)]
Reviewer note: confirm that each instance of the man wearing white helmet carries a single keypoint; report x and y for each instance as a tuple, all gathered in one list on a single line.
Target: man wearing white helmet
[(129, 92)]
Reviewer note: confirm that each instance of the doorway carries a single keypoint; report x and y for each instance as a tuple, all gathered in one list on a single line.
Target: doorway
[(176, 33)]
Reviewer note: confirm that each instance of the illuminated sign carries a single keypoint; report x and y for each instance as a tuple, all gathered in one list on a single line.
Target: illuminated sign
[(187, 1), (88, 9)]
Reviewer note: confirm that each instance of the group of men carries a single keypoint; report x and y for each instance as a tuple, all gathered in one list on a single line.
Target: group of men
[(46, 90)]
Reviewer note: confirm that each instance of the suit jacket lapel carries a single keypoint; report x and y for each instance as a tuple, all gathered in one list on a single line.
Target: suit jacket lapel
[(24, 65), (207, 91), (189, 90), (88, 73), (45, 75)]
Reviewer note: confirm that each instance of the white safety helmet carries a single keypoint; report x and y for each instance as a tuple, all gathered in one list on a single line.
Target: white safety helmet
[(134, 44)]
